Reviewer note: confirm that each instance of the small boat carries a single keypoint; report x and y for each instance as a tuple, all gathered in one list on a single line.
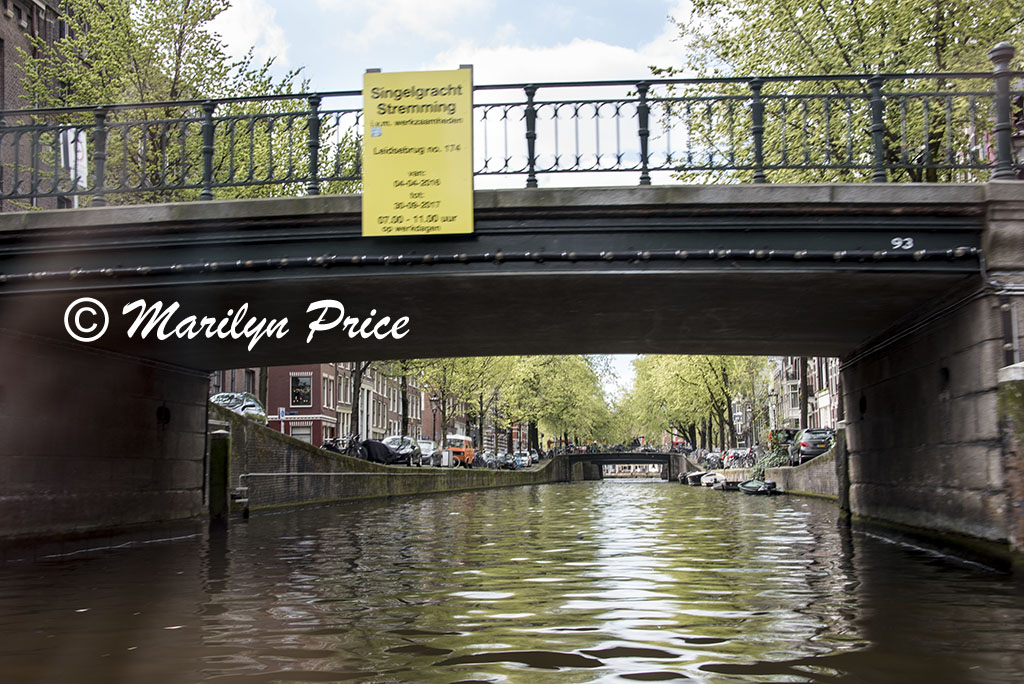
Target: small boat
[(758, 487), (710, 479), (693, 479), (726, 486)]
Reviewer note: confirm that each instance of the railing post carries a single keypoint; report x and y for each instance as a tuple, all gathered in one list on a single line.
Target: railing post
[(877, 131), (313, 185), (757, 128), (99, 157), (531, 137), (1000, 56), (643, 114), (207, 192)]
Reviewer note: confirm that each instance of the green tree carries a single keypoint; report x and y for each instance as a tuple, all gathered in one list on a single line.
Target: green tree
[(162, 51), (687, 395), (751, 38)]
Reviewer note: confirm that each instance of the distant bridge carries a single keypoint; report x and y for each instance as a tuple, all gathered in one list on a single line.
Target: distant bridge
[(623, 457)]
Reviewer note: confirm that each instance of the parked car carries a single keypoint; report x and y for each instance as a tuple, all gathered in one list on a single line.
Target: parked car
[(489, 458), (780, 439), (505, 460), (407, 447), (430, 454), (522, 459), (461, 449), (379, 452), (243, 403), (534, 456), (810, 443)]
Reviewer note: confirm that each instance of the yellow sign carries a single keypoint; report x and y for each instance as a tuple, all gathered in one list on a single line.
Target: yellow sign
[(418, 152)]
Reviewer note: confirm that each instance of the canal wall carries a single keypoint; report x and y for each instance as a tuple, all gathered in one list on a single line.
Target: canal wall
[(272, 470), (817, 477), (1011, 412), (94, 443)]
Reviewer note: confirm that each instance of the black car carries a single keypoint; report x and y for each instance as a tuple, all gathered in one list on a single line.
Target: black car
[(810, 443), (407, 449)]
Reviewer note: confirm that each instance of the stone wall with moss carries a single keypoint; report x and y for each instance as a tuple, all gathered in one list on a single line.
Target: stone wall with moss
[(1011, 413), (279, 471)]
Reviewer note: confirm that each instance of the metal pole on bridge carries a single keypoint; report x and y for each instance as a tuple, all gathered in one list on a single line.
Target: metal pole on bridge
[(1000, 56)]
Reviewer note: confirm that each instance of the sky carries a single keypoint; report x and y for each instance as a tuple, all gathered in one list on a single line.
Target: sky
[(334, 42)]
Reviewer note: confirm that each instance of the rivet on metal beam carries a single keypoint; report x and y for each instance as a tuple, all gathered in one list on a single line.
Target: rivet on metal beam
[(319, 261), (538, 257), (607, 256), (249, 263), (462, 257), (176, 267), (878, 256), (3, 277), (960, 252), (682, 253), (838, 256), (919, 254), (572, 256), (283, 263), (723, 253), (760, 254), (800, 254), (498, 257), (142, 270)]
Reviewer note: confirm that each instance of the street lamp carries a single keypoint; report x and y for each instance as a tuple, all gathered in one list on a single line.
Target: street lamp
[(434, 399)]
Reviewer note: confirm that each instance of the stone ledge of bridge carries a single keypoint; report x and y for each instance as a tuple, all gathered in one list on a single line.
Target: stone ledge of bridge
[(966, 198)]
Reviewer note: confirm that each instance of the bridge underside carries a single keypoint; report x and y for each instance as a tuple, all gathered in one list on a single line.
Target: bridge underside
[(764, 270)]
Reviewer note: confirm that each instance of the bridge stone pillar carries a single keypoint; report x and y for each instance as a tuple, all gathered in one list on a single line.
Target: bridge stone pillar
[(96, 443), (927, 451)]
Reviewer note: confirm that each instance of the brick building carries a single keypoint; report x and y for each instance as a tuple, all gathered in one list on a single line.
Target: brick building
[(20, 20), (313, 402)]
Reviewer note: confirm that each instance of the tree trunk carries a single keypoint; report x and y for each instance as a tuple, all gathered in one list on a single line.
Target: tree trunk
[(803, 392), (480, 426), (262, 391), (405, 405), (357, 391)]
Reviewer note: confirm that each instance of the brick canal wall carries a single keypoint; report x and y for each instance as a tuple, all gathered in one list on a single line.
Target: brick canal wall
[(281, 471), (817, 477), (1011, 411)]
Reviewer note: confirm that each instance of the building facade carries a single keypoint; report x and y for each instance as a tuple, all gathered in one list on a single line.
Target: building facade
[(823, 392)]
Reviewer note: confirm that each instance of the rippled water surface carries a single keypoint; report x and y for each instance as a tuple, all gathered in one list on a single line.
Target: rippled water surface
[(588, 582)]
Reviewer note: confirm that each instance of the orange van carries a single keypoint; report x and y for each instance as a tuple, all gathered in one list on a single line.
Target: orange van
[(461, 448)]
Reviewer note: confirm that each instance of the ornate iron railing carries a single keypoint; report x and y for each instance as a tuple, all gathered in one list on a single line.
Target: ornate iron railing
[(889, 127)]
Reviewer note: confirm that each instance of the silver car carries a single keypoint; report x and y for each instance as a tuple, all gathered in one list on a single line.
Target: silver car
[(428, 451)]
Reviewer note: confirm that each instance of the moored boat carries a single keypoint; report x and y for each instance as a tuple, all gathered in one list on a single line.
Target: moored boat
[(758, 487), (693, 478), (710, 479)]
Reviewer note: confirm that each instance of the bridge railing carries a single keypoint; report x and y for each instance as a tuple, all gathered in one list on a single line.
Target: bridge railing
[(940, 127)]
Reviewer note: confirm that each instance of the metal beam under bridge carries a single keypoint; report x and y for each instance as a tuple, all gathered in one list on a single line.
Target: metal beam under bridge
[(673, 269)]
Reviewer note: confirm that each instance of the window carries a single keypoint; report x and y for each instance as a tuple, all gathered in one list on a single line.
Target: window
[(216, 382), (250, 381), (302, 390), (325, 397), (302, 432)]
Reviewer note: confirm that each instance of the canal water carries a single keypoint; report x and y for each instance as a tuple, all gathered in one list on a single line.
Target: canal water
[(612, 581)]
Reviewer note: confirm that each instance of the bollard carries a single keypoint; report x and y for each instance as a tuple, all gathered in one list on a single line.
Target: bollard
[(220, 447)]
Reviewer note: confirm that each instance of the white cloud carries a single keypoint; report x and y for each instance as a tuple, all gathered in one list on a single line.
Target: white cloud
[(252, 24), (384, 21), (576, 60)]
